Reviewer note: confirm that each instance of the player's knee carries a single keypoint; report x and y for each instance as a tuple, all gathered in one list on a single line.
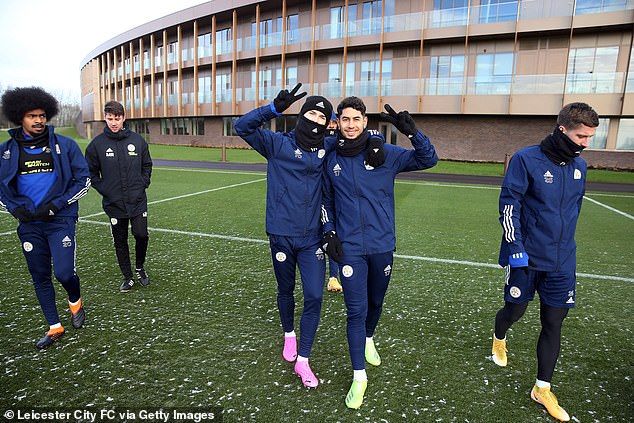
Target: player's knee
[(552, 318), (65, 274), (357, 312), (513, 312)]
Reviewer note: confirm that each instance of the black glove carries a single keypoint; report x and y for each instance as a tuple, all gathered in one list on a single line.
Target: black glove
[(403, 121), (332, 245), (45, 212), (284, 99), (22, 214), (374, 152)]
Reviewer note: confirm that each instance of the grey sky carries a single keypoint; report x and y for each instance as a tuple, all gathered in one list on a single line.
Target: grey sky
[(42, 42)]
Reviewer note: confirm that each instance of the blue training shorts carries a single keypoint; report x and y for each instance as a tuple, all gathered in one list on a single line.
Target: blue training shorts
[(556, 289)]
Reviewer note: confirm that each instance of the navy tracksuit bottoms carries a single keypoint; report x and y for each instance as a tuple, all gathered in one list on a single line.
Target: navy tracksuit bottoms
[(43, 242), (306, 253), (365, 280)]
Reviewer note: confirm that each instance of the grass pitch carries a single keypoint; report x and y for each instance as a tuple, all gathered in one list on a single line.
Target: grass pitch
[(206, 332)]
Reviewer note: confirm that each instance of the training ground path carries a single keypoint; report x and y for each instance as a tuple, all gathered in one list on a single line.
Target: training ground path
[(421, 176)]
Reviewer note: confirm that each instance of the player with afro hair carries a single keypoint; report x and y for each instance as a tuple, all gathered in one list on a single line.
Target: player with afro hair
[(42, 176), (16, 102)]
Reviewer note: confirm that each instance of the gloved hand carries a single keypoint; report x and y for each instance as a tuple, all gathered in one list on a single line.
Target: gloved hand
[(403, 121), (22, 214), (45, 212), (332, 245), (284, 98), (374, 152)]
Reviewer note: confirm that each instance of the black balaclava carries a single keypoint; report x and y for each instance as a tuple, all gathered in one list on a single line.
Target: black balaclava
[(559, 148), (119, 135), (308, 134)]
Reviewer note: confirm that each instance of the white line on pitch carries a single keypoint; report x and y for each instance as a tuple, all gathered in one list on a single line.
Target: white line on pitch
[(185, 195), (200, 234), (629, 216), (430, 259), (230, 172)]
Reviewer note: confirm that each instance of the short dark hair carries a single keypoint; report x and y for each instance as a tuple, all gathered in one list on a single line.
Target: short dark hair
[(114, 108), (354, 102), (18, 101), (574, 115)]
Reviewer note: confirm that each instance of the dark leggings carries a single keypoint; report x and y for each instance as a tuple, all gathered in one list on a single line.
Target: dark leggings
[(549, 342)]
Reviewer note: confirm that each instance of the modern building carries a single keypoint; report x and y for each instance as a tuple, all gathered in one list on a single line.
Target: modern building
[(481, 77)]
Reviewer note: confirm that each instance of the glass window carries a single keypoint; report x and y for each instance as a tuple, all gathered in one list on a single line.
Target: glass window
[(600, 137), (497, 11), (223, 41), (165, 126), (266, 84), (448, 13), (371, 17), (583, 7), (285, 123), (227, 127), (146, 60), (204, 45), (593, 70), (204, 89), (625, 137), (158, 59), (292, 29), (159, 92), (146, 94), (291, 76), (493, 73), (266, 31), (445, 75), (350, 78), (198, 126), (336, 22), (223, 87), (172, 52), (172, 92)]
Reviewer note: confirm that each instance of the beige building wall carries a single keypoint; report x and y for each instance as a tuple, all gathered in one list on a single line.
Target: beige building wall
[(155, 69)]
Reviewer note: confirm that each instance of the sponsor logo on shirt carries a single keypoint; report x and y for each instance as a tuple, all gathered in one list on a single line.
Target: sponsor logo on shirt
[(577, 174), (131, 150), (298, 154), (6, 155), (319, 253), (109, 152)]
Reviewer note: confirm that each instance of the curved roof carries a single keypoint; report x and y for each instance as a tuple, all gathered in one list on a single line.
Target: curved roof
[(185, 15)]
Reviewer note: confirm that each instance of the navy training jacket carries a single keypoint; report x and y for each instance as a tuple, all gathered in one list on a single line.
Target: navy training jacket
[(539, 206), (294, 176), (361, 198), (72, 183)]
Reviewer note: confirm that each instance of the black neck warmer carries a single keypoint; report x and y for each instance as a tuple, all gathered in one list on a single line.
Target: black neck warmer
[(349, 148), (559, 148), (121, 134), (308, 134), (37, 141)]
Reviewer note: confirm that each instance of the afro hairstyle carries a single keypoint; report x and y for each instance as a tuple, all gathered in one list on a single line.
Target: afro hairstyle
[(18, 101)]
